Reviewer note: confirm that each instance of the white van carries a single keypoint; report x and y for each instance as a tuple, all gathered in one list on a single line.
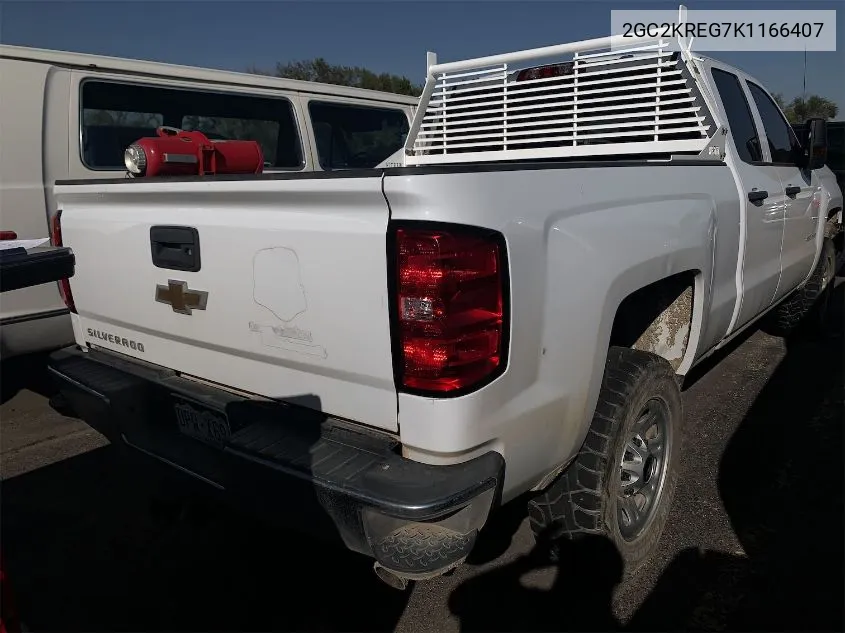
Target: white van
[(70, 115)]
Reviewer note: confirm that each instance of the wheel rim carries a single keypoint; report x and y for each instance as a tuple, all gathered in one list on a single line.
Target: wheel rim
[(642, 469)]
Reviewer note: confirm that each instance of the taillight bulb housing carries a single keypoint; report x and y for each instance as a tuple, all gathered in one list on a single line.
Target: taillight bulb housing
[(56, 240), (450, 299), (546, 72)]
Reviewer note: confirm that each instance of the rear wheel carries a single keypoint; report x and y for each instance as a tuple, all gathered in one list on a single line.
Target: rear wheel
[(623, 480), (807, 307)]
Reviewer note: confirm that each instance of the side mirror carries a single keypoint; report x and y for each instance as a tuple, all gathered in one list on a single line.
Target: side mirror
[(816, 143)]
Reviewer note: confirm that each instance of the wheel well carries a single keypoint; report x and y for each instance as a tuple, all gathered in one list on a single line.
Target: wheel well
[(657, 318), (834, 229)]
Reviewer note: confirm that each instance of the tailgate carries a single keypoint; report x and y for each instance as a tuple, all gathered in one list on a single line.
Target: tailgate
[(284, 293)]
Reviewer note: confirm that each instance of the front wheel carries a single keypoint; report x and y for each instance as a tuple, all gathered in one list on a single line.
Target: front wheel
[(623, 480)]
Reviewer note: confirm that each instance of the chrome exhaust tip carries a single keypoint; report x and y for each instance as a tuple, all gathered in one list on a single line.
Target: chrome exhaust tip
[(390, 578)]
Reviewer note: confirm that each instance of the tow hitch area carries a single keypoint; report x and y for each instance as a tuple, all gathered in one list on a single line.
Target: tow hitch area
[(336, 479)]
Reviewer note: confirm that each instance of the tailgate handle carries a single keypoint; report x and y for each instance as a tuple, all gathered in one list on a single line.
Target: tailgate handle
[(175, 247)]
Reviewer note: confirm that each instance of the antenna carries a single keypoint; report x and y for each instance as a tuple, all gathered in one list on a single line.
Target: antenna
[(804, 88)]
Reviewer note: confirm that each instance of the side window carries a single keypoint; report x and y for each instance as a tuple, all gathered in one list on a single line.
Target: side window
[(783, 144), (740, 121), (114, 115), (228, 128), (353, 136)]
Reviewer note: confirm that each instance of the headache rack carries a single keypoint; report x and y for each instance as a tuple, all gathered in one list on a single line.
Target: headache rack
[(612, 97)]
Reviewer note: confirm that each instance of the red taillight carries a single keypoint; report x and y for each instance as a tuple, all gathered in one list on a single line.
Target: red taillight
[(9, 617), (8, 235), (56, 240), (450, 295)]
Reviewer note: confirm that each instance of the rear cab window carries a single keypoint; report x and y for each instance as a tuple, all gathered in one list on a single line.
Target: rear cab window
[(352, 136), (114, 115), (740, 121)]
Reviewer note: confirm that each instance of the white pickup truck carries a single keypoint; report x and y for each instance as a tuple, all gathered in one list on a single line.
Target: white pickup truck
[(508, 306)]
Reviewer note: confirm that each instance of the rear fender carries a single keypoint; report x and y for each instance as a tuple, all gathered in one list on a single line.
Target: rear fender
[(579, 241), (660, 238)]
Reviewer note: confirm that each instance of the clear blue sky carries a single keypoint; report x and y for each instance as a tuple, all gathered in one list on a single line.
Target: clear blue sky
[(390, 36)]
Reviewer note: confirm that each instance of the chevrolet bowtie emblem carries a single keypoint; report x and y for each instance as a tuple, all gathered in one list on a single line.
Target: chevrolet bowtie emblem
[(182, 299)]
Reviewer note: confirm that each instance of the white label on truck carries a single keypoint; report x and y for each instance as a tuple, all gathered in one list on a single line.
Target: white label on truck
[(730, 30), (278, 288)]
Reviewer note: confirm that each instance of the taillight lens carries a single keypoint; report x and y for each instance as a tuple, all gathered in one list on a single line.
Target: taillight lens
[(450, 308), (8, 235), (56, 240)]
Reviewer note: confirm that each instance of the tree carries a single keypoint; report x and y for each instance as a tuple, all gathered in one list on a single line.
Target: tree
[(799, 109), (320, 70)]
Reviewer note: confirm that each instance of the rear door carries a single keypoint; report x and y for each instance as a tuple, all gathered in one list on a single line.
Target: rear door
[(761, 197), (784, 154), (275, 285)]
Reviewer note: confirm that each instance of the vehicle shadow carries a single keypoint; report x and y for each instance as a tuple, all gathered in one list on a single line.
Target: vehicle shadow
[(25, 372), (496, 537), (85, 554), (780, 480), (580, 598)]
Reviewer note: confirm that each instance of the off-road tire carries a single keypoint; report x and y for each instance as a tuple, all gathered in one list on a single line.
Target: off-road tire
[(582, 500), (808, 306)]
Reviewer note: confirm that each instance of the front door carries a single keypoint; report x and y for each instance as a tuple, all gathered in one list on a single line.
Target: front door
[(761, 197)]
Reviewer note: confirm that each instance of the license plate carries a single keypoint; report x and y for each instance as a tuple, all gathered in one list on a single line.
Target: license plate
[(201, 423)]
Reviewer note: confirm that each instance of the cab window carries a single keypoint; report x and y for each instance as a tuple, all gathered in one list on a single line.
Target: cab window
[(740, 121), (783, 144), (356, 137)]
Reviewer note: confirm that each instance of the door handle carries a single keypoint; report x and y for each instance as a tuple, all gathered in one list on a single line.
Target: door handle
[(175, 247), (757, 196), (793, 191)]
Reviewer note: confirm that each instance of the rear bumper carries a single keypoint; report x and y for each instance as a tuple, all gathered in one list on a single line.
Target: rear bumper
[(291, 463)]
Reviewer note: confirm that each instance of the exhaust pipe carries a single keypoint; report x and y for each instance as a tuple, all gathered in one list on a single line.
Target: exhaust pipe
[(389, 577)]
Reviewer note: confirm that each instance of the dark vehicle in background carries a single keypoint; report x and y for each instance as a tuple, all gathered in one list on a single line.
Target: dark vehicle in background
[(835, 147), (835, 162)]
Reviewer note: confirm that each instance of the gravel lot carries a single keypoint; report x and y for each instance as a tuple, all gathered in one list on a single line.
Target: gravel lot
[(754, 542)]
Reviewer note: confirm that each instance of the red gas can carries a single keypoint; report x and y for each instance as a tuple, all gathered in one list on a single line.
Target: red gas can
[(179, 153)]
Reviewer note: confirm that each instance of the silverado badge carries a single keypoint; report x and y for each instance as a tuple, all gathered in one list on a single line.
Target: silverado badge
[(182, 299)]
